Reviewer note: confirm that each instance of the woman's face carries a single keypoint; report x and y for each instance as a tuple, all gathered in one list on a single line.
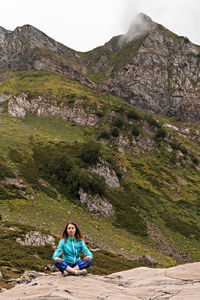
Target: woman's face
[(71, 230)]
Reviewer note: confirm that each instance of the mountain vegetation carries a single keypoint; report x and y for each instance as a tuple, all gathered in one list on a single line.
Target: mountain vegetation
[(74, 145)]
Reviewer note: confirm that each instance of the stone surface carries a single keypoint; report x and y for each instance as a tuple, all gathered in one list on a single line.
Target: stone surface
[(177, 283), (96, 204), (162, 76), (110, 176), (36, 238), (19, 105), (29, 48)]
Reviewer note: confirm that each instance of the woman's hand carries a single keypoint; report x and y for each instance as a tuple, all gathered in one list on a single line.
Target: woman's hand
[(87, 258), (57, 259)]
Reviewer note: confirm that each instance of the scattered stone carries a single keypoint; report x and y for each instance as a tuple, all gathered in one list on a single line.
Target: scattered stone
[(51, 268), (36, 238), (147, 260), (27, 277), (18, 182)]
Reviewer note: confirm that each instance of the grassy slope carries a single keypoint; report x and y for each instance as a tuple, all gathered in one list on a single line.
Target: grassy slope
[(148, 185)]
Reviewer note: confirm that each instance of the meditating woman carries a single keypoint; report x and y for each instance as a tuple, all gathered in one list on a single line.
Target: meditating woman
[(71, 245)]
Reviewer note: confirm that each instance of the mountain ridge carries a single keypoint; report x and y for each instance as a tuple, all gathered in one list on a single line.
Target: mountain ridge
[(149, 66), (73, 147)]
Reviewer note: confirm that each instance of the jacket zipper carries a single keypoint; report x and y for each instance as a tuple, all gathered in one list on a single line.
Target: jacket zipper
[(74, 251)]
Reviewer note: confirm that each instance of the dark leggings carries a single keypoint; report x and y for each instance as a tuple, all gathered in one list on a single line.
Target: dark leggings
[(82, 264)]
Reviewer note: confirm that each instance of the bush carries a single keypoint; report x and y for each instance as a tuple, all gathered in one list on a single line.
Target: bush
[(135, 131), (92, 183), (104, 134), (115, 132), (118, 122), (161, 133), (90, 152), (99, 114), (177, 146), (152, 121), (5, 171), (132, 114), (15, 156), (195, 160)]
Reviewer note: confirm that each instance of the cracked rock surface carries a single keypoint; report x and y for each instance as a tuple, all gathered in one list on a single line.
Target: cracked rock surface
[(177, 283)]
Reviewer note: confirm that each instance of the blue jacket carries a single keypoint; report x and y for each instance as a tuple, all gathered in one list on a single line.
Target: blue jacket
[(71, 250)]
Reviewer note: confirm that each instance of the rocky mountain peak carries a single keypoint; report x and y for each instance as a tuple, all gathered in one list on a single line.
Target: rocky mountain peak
[(141, 25)]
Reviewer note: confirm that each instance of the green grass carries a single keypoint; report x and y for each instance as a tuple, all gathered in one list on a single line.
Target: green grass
[(150, 189)]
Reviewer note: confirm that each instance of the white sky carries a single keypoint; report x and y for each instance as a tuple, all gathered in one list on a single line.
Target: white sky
[(85, 24)]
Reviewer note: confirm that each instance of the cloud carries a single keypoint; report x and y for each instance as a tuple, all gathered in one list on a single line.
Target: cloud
[(140, 25)]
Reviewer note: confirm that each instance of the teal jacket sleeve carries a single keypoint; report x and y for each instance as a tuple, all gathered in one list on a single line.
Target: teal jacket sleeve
[(59, 249), (86, 251)]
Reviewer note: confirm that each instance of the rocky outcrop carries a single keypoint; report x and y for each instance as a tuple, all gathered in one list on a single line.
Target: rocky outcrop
[(177, 283), (149, 66), (110, 176), (19, 105), (18, 182), (161, 72), (163, 77), (96, 204), (36, 238)]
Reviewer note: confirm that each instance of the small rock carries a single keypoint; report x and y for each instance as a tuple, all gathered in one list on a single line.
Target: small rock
[(50, 267), (146, 259)]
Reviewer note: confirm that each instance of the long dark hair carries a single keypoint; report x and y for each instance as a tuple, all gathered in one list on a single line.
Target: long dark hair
[(78, 234)]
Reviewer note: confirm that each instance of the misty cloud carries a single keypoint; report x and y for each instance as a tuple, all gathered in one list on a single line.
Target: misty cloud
[(139, 26)]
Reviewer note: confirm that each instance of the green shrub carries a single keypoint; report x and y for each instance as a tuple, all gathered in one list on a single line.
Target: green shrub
[(115, 132), (152, 121), (5, 171), (195, 160), (135, 131), (177, 146), (118, 122), (90, 152), (92, 183), (161, 133), (132, 114), (15, 155), (104, 134), (61, 165), (99, 114)]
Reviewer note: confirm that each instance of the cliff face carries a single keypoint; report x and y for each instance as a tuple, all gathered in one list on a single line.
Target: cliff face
[(162, 77), (28, 48), (149, 67)]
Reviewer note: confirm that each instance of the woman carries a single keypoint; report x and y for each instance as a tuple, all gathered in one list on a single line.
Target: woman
[(71, 246)]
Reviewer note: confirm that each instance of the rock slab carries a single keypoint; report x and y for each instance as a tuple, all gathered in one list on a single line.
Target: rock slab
[(177, 283)]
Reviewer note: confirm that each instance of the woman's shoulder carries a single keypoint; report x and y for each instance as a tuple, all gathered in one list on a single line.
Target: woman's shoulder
[(80, 242), (62, 241)]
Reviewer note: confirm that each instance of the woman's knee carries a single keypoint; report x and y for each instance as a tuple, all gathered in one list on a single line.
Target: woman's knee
[(82, 264), (61, 265)]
